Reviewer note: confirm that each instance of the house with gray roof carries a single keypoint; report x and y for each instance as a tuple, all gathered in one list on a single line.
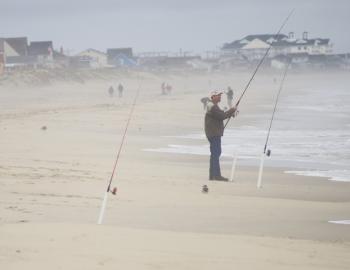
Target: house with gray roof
[(40, 48), (17, 52), (121, 57), (42, 51), (13, 46), (19, 45)]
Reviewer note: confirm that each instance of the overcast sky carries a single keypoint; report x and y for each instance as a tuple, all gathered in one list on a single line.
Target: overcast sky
[(168, 25)]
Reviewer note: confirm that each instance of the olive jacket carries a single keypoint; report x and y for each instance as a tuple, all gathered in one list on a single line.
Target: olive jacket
[(214, 120)]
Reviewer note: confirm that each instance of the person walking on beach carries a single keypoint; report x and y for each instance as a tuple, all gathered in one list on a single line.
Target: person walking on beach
[(214, 130), (111, 91), (168, 88), (229, 95), (120, 90), (205, 101), (163, 88)]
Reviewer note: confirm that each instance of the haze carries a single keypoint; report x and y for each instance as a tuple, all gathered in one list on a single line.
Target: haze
[(166, 25)]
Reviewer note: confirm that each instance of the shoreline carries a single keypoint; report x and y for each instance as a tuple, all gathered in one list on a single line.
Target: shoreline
[(298, 167)]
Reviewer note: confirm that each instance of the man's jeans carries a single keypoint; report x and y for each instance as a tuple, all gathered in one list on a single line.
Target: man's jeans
[(215, 152)]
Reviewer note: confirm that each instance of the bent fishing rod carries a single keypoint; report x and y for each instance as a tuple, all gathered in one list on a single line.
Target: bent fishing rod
[(274, 109), (268, 152), (104, 202), (260, 63)]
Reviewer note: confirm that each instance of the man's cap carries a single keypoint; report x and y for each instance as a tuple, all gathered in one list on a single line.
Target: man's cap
[(215, 93)]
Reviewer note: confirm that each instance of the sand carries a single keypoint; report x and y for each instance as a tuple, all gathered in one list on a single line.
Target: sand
[(58, 146)]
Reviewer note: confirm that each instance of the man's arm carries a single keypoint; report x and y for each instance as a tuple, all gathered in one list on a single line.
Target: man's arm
[(220, 114)]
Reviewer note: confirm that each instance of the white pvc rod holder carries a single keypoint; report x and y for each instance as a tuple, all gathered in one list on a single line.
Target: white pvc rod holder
[(233, 169), (103, 208), (259, 184)]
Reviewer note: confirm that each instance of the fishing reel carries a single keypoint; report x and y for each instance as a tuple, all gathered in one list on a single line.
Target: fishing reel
[(234, 114), (114, 191), (268, 153)]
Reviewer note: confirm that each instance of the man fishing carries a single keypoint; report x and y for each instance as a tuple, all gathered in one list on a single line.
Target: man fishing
[(214, 130)]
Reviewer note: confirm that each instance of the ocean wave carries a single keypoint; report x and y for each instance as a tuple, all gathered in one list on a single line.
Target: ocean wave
[(333, 175), (343, 222)]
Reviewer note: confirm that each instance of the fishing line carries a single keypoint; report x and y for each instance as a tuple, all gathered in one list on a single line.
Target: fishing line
[(274, 109), (260, 63), (268, 153)]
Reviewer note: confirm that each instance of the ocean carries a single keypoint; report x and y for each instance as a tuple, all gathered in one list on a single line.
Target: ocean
[(310, 134)]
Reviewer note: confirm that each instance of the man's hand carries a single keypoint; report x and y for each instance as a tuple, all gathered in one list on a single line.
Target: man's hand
[(233, 111)]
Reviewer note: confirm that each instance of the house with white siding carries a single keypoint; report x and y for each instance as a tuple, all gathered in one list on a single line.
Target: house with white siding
[(253, 47), (96, 58)]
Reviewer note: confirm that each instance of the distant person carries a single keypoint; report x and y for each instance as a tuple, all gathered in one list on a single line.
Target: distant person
[(205, 101), (214, 130), (163, 88), (120, 90), (168, 89), (229, 95), (111, 91)]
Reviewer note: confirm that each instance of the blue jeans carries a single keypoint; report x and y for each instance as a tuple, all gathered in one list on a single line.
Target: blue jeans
[(215, 152)]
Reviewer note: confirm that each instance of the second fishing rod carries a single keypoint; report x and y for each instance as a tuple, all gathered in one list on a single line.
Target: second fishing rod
[(267, 152), (260, 63), (248, 84), (114, 190)]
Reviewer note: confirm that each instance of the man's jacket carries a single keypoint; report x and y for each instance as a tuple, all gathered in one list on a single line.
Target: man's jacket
[(214, 120)]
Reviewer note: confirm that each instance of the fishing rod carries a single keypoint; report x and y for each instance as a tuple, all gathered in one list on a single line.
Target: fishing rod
[(260, 63), (114, 191), (268, 152)]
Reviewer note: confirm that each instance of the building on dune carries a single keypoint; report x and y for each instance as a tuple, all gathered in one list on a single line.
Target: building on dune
[(92, 58), (253, 47), (17, 53), (303, 51), (121, 57)]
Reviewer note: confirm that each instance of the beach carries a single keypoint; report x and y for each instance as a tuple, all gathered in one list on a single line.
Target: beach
[(58, 148)]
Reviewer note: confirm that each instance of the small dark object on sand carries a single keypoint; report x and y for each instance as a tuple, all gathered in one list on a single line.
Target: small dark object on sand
[(205, 189), (43, 128)]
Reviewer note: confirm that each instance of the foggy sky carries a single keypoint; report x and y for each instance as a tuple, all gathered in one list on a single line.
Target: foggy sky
[(167, 25)]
